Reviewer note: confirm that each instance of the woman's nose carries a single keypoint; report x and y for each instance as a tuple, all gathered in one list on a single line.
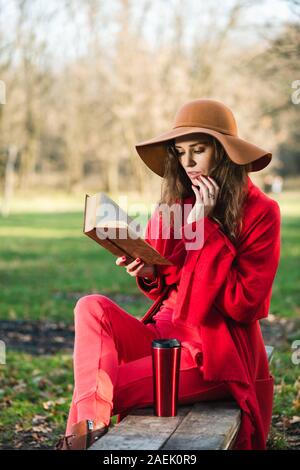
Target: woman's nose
[(188, 159)]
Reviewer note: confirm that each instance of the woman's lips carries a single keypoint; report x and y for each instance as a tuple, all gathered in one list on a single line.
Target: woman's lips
[(194, 175)]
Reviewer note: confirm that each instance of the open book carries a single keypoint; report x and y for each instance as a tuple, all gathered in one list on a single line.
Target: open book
[(111, 227)]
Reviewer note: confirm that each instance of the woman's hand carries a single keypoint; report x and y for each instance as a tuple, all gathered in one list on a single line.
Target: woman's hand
[(204, 202), (137, 267)]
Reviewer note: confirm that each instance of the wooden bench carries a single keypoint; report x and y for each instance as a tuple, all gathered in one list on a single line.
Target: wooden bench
[(201, 426)]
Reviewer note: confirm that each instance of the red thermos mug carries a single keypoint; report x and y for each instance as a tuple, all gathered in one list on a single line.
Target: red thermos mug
[(166, 366)]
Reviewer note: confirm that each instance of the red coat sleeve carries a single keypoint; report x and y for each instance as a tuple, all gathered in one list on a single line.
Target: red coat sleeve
[(172, 249), (236, 282), (150, 289), (245, 295)]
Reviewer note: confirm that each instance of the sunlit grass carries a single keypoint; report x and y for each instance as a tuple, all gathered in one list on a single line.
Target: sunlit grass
[(46, 263)]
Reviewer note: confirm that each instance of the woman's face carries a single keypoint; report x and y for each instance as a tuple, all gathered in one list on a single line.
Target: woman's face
[(196, 155)]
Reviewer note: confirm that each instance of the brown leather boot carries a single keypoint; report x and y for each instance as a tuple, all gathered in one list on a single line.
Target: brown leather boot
[(83, 435)]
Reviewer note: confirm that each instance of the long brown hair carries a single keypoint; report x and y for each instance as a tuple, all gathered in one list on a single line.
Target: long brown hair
[(230, 177)]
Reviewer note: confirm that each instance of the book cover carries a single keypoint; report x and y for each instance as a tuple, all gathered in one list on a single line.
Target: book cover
[(111, 227)]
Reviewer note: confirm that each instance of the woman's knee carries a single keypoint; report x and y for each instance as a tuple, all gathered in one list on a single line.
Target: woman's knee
[(88, 303)]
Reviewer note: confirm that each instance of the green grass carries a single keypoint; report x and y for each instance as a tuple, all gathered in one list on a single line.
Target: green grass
[(286, 292), (29, 385), (35, 388), (46, 263), (286, 396), (287, 384)]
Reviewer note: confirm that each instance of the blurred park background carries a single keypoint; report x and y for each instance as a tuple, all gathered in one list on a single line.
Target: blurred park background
[(81, 82)]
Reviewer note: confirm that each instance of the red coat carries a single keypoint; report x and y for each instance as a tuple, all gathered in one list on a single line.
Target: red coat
[(224, 290)]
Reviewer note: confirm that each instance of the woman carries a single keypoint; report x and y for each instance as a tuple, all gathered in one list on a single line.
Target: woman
[(211, 297)]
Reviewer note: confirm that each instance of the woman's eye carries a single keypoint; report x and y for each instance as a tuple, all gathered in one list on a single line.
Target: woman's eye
[(195, 151)]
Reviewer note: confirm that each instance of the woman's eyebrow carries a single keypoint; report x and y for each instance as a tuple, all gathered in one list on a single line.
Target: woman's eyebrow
[(193, 145)]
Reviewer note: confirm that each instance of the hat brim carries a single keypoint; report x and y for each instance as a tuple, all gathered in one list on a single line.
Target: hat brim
[(154, 151)]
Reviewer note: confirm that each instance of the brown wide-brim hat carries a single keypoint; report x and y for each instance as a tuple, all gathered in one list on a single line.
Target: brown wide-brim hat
[(210, 117)]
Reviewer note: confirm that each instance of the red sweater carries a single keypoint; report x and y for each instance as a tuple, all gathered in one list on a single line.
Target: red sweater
[(223, 291)]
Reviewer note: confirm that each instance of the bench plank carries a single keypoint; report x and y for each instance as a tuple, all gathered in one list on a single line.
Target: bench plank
[(205, 425), (199, 426), (209, 425), (141, 429)]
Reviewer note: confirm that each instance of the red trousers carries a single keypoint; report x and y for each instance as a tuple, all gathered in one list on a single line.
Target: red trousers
[(113, 363)]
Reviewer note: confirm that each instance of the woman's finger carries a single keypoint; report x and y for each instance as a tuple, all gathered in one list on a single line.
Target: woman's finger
[(208, 184), (204, 188), (123, 260), (197, 193), (133, 265), (214, 183), (136, 269), (211, 189)]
